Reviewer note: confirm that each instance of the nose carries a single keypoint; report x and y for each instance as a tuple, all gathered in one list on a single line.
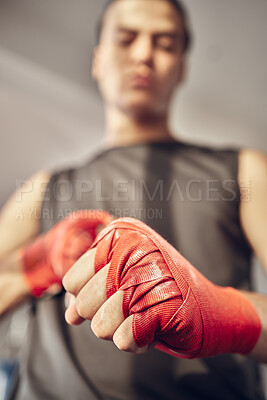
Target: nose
[(142, 50)]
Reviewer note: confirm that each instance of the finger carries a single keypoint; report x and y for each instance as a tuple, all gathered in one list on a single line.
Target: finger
[(93, 294), (124, 340), (71, 315), (68, 299), (80, 273), (109, 317)]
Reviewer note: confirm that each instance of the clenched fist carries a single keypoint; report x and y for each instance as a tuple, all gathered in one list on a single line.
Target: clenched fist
[(138, 290)]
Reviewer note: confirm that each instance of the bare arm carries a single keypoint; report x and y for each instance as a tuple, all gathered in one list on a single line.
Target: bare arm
[(19, 217), (19, 222), (253, 216)]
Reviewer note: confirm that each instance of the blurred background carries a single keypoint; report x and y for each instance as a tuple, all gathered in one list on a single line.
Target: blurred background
[(51, 113)]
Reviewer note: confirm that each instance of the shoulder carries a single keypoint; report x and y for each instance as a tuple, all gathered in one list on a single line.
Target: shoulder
[(208, 150), (252, 164), (252, 180), (19, 218), (253, 188), (220, 161), (28, 193)]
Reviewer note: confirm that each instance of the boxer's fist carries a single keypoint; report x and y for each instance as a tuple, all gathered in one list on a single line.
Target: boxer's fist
[(46, 260), (137, 289)]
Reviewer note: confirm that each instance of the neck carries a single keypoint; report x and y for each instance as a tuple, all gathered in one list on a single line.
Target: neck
[(123, 129)]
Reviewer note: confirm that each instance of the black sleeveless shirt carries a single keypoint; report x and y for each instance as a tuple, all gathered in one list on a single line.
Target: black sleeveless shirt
[(189, 194)]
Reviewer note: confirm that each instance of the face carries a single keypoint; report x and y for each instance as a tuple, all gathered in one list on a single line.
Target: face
[(139, 60)]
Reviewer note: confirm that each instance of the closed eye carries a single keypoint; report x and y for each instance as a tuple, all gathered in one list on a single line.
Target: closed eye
[(124, 37), (167, 43)]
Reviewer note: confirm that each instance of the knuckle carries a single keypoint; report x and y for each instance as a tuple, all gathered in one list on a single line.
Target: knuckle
[(69, 284), (66, 282), (99, 330), (123, 344), (82, 307)]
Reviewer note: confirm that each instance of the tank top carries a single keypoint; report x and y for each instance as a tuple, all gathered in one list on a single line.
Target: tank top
[(190, 195)]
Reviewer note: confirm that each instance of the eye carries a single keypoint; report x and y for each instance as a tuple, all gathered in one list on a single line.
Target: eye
[(124, 38), (166, 43)]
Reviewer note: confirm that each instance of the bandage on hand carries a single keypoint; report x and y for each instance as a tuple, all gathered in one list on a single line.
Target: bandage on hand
[(170, 300), (49, 257)]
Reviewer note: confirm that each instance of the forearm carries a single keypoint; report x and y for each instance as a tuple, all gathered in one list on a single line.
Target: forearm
[(11, 262), (259, 301), (13, 287)]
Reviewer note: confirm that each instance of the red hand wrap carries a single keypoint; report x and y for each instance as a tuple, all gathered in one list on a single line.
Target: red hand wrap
[(170, 299), (48, 258)]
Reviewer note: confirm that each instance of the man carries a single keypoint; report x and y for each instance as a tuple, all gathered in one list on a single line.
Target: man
[(138, 62)]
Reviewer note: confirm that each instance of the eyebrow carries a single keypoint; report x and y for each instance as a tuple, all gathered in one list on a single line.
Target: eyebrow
[(171, 33)]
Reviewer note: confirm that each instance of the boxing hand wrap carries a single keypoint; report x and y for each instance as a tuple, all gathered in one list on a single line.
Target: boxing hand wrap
[(171, 301), (47, 259)]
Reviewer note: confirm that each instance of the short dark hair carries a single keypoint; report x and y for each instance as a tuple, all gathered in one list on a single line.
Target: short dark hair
[(177, 5)]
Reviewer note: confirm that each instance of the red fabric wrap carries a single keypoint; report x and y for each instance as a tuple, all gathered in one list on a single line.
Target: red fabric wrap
[(170, 299), (48, 258)]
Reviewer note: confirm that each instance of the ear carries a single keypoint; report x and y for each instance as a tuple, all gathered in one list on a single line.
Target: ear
[(95, 71)]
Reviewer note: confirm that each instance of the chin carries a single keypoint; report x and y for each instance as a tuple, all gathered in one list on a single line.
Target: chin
[(141, 109), (142, 113)]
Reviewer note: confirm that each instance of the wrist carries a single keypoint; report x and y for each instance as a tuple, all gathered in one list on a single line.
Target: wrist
[(259, 301), (37, 269), (234, 328)]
